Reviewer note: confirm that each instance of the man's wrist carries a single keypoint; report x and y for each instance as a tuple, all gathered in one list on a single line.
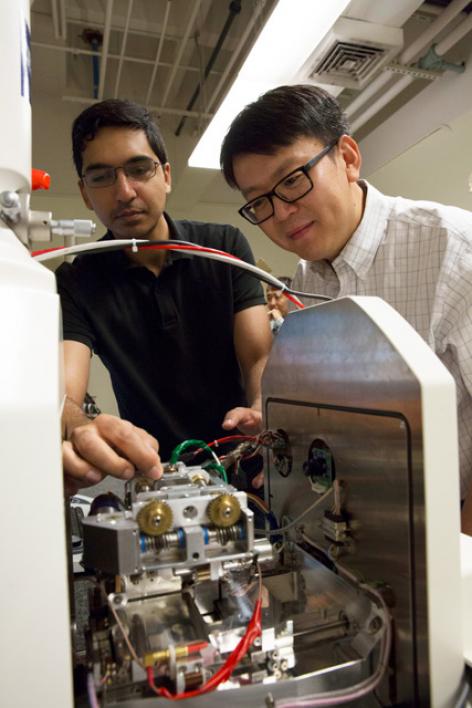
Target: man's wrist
[(72, 418)]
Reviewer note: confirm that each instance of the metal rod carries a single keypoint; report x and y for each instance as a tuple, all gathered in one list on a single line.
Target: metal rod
[(454, 36), (234, 9), (159, 50), (164, 110), (426, 37), (407, 80), (191, 22), (235, 55), (105, 45), (55, 19), (338, 624), (133, 60), (62, 6), (406, 57), (123, 47)]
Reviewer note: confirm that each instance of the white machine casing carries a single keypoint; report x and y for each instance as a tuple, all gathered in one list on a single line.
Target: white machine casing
[(35, 644)]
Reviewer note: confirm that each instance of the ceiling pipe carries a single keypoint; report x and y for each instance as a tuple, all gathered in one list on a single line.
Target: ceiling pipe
[(159, 50), (58, 12), (408, 55), (260, 4), (449, 41), (94, 38), (133, 60), (55, 19), (233, 10), (164, 110), (105, 46), (183, 43), (62, 7), (123, 47), (455, 36)]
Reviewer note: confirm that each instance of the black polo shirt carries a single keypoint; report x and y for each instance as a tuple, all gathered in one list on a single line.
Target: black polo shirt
[(167, 341)]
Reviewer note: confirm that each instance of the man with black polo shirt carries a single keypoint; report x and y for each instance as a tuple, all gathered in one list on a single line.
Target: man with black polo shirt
[(185, 339)]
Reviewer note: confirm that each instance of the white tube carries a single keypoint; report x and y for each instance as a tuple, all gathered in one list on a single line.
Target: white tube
[(215, 255), (123, 47), (382, 101), (406, 57), (159, 50), (425, 39), (105, 47), (183, 44), (453, 37)]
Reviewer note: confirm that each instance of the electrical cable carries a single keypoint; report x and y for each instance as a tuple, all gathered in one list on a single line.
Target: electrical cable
[(283, 529), (253, 630), (185, 246), (231, 438), (124, 633), (368, 685), (177, 451), (91, 693)]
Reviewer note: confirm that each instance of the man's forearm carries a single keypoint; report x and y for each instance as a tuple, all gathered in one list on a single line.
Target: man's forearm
[(252, 384), (72, 417)]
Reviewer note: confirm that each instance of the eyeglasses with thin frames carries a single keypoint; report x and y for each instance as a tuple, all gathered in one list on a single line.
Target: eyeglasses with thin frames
[(138, 169), (289, 189)]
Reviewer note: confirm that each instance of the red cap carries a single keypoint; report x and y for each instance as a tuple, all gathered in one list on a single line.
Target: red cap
[(40, 179)]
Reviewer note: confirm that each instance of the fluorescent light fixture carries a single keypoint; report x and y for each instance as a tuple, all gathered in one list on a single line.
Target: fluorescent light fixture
[(290, 35)]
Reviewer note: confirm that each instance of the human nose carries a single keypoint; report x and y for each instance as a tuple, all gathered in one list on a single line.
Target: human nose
[(282, 209), (124, 188)]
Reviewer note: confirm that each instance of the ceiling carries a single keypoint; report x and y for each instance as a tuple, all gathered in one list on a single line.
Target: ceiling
[(177, 57), (180, 57)]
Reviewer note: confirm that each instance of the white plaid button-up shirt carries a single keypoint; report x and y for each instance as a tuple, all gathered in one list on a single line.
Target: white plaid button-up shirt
[(417, 256)]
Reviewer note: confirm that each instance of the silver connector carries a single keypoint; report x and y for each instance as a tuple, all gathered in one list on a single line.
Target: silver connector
[(80, 228)]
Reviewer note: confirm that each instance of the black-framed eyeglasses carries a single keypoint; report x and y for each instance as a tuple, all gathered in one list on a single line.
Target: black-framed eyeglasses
[(289, 189), (138, 169)]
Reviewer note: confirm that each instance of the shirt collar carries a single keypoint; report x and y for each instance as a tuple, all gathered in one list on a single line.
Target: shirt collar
[(361, 249)]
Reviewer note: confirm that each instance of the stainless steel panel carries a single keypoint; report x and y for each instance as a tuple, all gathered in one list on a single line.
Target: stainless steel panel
[(334, 375)]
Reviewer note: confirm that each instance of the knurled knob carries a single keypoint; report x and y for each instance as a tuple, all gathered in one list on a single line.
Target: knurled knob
[(155, 518), (224, 510)]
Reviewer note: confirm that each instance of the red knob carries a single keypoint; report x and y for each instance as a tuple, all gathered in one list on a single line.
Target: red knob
[(40, 179)]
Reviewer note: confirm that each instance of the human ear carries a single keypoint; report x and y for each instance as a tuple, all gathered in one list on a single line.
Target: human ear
[(351, 156), (167, 177)]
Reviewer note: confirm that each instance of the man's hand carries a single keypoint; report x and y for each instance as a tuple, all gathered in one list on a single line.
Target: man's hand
[(275, 314), (247, 420), (108, 445)]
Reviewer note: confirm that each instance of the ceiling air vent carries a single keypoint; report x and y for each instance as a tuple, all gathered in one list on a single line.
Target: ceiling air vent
[(351, 53)]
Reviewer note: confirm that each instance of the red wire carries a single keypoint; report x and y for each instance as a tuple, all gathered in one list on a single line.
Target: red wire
[(181, 247), (197, 646), (178, 247), (253, 630), (229, 438), (295, 300), (46, 250)]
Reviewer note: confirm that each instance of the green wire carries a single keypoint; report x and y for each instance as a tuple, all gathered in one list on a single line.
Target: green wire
[(219, 468), (177, 451)]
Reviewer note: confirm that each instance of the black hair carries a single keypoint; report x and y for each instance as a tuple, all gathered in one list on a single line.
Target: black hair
[(119, 113), (277, 119)]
